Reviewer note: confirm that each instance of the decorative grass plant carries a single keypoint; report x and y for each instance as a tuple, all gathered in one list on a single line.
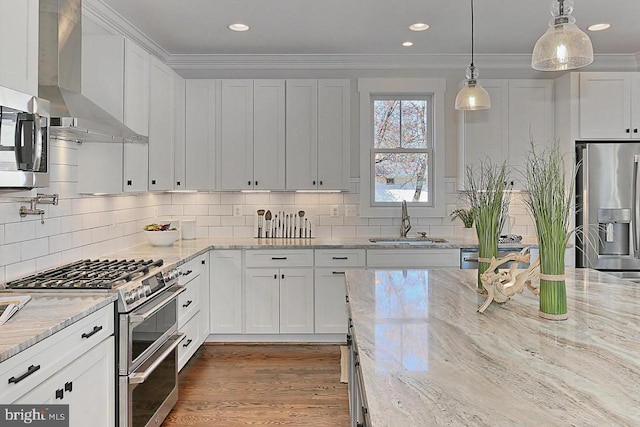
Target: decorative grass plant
[(549, 201), (485, 187), (465, 215)]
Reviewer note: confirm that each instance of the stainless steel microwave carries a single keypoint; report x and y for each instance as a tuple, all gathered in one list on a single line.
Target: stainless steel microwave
[(24, 141)]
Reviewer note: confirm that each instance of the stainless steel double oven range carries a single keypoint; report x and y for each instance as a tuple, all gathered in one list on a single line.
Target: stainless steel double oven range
[(147, 354)]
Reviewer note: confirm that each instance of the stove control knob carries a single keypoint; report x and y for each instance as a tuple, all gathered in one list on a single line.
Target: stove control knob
[(129, 297), (139, 292), (147, 290)]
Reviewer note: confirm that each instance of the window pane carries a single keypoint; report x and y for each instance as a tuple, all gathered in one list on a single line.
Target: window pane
[(386, 122), (401, 176), (414, 123)]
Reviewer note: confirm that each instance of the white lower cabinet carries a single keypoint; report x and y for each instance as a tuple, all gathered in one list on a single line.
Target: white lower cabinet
[(226, 292), (279, 300), (193, 307), (330, 301), (87, 385)]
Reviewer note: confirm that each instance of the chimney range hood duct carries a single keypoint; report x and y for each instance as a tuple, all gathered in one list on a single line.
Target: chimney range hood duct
[(74, 117)]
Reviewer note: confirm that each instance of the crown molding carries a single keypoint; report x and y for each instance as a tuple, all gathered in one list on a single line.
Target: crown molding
[(103, 13)]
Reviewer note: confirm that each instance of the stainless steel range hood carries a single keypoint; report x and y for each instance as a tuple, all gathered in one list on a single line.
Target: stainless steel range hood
[(74, 117)]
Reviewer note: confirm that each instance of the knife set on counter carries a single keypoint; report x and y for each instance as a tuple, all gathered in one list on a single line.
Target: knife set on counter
[(283, 225)]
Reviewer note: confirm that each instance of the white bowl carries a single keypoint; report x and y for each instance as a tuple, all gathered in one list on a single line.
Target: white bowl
[(162, 238)]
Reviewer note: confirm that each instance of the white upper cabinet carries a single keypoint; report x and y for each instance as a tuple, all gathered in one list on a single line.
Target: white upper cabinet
[(179, 147), (521, 110), (19, 47), (161, 126), (135, 168), (136, 88), (252, 139), (200, 143), (610, 105), (268, 134), (236, 135), (112, 168), (302, 134), (334, 128), (103, 72), (317, 134)]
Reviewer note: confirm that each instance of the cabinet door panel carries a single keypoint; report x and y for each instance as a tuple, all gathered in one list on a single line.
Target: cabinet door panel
[(333, 134), (268, 134), (100, 168), (200, 154), (301, 134), (236, 135), (179, 144), (262, 301), (136, 88), (296, 300), (531, 115), (635, 106), (605, 105), (19, 50), (485, 133), (330, 301), (161, 126), (136, 167), (226, 292)]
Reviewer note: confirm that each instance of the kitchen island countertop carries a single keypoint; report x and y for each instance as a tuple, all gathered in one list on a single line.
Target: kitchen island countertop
[(428, 358)]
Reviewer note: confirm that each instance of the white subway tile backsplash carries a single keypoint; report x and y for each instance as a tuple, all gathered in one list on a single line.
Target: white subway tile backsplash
[(92, 220), (327, 220), (50, 227), (208, 199), (196, 210), (184, 199), (306, 198), (282, 198), (232, 198), (220, 231), (1, 235), (368, 230), (60, 242), (226, 221), (81, 238), (70, 223), (208, 221), (256, 199), (19, 231), (9, 253), (49, 261), (225, 210), (343, 231), (20, 269)]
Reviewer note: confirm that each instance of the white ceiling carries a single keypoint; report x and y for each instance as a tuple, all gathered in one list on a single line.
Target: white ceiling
[(335, 27)]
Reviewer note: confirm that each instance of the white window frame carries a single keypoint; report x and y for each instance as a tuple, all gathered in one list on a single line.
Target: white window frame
[(377, 88)]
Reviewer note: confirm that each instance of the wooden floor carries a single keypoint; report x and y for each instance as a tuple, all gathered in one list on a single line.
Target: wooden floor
[(239, 385)]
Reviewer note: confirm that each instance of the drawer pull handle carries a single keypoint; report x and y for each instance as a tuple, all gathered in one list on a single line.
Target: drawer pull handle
[(95, 330), (59, 393), (338, 272), (470, 259), (30, 370), (186, 344), (340, 257), (187, 273), (278, 258), (187, 304), (68, 386)]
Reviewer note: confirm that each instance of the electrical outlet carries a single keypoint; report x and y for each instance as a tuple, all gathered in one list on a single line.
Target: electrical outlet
[(350, 210), (237, 210), (335, 211)]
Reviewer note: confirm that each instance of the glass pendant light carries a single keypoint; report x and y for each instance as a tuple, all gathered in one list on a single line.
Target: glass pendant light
[(563, 46), (472, 96)]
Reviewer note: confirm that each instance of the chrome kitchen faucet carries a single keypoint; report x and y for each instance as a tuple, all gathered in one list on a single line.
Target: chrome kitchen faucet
[(405, 225)]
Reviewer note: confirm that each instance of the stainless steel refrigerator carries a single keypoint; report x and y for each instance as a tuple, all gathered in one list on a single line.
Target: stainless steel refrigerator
[(607, 207)]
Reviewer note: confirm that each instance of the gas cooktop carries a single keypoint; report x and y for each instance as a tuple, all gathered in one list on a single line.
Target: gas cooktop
[(87, 274)]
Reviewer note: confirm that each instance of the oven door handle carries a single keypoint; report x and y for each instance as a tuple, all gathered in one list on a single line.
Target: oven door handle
[(136, 319), (154, 362)]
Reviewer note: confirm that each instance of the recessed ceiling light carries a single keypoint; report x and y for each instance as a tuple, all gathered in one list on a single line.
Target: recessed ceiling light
[(419, 26), (238, 27), (407, 44), (599, 27)]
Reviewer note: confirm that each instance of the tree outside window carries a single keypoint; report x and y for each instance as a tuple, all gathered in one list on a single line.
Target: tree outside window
[(402, 150)]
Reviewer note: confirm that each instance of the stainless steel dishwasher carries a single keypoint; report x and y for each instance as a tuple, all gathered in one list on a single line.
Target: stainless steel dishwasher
[(469, 257)]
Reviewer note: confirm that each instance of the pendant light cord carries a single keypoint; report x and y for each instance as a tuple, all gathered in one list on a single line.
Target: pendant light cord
[(472, 33)]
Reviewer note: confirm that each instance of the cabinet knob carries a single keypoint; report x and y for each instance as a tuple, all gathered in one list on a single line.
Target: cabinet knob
[(320, 182), (275, 276), (178, 183), (256, 183), (283, 276), (628, 130), (153, 182), (635, 130), (59, 393), (314, 183), (203, 262), (129, 182), (68, 386)]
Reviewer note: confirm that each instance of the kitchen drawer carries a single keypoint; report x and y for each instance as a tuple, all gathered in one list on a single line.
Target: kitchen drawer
[(188, 302), (192, 269), (279, 258), (413, 258), (190, 343), (340, 257), (53, 353)]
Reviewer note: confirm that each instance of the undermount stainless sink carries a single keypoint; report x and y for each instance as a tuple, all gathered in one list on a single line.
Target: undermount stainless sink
[(407, 240)]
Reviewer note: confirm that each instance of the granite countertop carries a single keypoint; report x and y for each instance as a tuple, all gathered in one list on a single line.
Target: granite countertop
[(46, 314), (428, 358), (183, 250)]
